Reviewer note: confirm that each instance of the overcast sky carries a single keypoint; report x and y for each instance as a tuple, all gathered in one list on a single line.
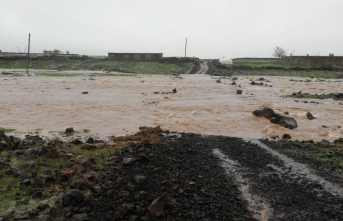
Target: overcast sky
[(215, 29)]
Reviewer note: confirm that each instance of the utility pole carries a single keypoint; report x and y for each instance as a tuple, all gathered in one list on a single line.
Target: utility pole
[(186, 47), (28, 56)]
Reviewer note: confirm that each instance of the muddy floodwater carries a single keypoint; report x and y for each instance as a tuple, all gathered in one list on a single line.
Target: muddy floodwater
[(119, 105)]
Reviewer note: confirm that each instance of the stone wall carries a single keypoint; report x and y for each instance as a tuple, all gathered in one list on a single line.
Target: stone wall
[(135, 56), (312, 60)]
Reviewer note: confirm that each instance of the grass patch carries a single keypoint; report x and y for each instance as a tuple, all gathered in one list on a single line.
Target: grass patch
[(16, 64), (6, 130), (259, 63), (94, 64), (302, 73), (103, 152), (326, 155), (57, 74)]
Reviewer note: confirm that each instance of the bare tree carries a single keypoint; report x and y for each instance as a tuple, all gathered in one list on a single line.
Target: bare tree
[(279, 52)]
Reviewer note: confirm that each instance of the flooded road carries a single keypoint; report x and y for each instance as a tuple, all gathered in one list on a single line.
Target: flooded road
[(119, 105)]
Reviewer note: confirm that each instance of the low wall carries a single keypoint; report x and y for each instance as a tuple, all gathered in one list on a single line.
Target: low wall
[(312, 60), (134, 56)]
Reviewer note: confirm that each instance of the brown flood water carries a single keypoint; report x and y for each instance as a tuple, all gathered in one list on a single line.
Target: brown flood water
[(119, 105)]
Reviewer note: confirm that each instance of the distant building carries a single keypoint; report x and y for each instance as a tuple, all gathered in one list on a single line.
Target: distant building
[(135, 56), (51, 53), (312, 60)]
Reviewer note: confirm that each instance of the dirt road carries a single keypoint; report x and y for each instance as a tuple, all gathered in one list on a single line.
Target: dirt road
[(203, 68), (225, 178)]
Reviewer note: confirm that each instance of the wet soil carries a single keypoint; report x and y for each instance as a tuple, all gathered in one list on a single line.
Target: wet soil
[(206, 177), (258, 185)]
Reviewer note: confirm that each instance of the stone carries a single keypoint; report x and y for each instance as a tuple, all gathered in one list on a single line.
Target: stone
[(120, 212), (99, 145), (310, 116), (43, 218), (339, 140), (123, 193), (56, 211), (139, 179), (174, 90), (25, 182), (324, 143), (84, 92), (3, 144), (90, 140), (58, 141), (73, 197), (287, 122), (275, 118), (128, 161), (129, 207), (143, 158), (239, 92), (47, 151), (42, 207), (88, 146), (133, 218), (96, 189), (79, 217), (160, 205), (70, 130), (22, 215), (286, 136), (76, 141), (233, 83)]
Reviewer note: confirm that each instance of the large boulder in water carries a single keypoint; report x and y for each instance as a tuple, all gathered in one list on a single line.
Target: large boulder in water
[(288, 122), (276, 118), (266, 112)]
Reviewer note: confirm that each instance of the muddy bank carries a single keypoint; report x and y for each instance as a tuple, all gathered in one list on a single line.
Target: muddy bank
[(334, 96)]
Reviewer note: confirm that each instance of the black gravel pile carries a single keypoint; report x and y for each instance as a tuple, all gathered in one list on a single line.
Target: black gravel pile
[(198, 186)]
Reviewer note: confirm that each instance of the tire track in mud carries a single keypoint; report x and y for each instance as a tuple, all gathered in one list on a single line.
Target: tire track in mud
[(259, 207), (223, 178), (289, 189)]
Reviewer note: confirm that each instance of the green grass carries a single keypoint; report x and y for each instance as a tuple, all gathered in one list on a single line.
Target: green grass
[(259, 63), (8, 130), (319, 154), (18, 64), (57, 74), (302, 73), (92, 64), (91, 152)]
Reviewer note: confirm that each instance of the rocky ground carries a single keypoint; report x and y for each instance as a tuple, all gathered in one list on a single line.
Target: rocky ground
[(334, 96), (162, 175)]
